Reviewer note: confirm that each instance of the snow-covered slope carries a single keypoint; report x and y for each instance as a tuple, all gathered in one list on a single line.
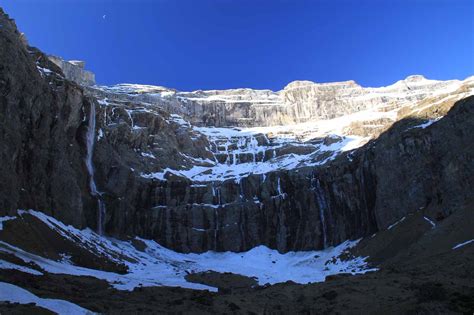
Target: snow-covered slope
[(15, 294), (150, 264), (240, 151)]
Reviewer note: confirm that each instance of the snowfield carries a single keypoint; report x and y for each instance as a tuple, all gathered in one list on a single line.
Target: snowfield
[(15, 294), (224, 139), (159, 266)]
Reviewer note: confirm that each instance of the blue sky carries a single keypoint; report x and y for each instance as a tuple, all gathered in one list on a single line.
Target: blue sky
[(216, 44)]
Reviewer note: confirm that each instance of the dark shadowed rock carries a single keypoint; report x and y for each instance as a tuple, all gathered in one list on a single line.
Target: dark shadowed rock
[(44, 119)]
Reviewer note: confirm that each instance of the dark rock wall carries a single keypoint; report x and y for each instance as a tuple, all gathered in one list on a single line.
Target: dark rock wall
[(41, 133), (432, 167), (405, 170), (43, 120)]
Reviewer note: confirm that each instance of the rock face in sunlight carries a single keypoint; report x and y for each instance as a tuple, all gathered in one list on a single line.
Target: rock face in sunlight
[(298, 102), (304, 168), (74, 70)]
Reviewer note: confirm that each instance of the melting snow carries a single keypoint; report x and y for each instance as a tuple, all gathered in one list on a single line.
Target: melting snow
[(426, 124), (100, 134), (7, 265), (43, 71), (394, 224), (148, 155), (463, 244), (433, 225), (159, 266), (3, 219), (247, 144), (15, 294)]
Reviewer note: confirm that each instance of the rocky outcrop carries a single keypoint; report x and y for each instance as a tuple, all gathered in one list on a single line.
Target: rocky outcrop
[(298, 102), (41, 127), (353, 196), (74, 70)]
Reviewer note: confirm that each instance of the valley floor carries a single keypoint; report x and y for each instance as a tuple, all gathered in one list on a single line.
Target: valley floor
[(426, 267), (440, 286)]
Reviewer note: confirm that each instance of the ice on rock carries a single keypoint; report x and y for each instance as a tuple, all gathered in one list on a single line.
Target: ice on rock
[(240, 152)]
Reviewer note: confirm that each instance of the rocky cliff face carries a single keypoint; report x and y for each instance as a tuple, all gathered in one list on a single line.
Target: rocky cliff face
[(74, 70), (154, 162), (298, 102), (41, 128), (308, 207), (291, 187)]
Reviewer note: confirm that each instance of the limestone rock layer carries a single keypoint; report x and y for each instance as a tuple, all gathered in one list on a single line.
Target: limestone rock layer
[(303, 168)]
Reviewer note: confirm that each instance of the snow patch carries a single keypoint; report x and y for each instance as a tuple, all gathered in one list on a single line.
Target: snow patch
[(15, 294), (148, 155), (463, 244), (426, 124), (3, 219), (396, 223), (159, 266), (8, 265), (433, 225)]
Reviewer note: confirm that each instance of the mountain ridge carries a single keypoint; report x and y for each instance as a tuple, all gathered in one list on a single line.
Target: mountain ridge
[(122, 185)]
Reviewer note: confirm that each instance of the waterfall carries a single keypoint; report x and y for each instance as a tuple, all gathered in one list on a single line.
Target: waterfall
[(322, 204), (279, 187), (219, 196), (216, 227), (213, 190), (253, 146), (90, 141), (216, 194)]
